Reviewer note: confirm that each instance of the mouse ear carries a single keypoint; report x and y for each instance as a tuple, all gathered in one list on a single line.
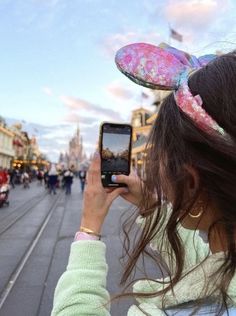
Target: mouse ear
[(185, 58), (205, 59), (150, 66)]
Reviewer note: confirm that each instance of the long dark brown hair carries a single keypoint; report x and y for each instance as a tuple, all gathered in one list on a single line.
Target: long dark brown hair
[(176, 142)]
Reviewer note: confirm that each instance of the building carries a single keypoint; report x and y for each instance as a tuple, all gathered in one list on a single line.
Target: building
[(18, 150), (6, 145), (26, 150), (75, 156), (142, 121), (141, 129), (21, 146), (34, 151)]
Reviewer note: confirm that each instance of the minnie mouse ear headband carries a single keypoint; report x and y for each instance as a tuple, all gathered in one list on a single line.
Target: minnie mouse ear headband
[(167, 68)]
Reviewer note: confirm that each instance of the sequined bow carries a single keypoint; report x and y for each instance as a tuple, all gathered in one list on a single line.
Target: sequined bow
[(166, 68)]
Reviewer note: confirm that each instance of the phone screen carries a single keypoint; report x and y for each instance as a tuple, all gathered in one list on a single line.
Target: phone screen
[(115, 151)]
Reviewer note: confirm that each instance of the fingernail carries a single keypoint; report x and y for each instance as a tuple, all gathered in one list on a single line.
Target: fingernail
[(126, 190), (113, 178)]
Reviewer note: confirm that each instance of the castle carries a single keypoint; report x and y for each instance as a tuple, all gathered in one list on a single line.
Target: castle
[(75, 156)]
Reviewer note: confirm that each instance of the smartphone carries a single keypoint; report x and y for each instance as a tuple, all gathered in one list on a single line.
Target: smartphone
[(115, 151)]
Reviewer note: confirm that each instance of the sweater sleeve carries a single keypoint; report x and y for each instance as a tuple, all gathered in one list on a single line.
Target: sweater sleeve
[(81, 290)]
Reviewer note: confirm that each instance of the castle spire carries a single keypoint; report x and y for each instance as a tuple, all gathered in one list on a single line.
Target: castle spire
[(77, 130)]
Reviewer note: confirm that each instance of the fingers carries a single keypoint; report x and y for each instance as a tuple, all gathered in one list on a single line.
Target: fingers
[(94, 172), (109, 190), (121, 178), (115, 193)]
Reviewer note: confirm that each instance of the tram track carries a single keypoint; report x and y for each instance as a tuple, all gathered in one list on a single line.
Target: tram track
[(9, 220), (9, 285)]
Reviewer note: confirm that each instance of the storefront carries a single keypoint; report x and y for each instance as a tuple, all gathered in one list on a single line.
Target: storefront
[(6, 147)]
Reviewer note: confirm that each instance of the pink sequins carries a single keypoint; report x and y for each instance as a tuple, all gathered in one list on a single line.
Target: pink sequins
[(167, 68), (192, 106)]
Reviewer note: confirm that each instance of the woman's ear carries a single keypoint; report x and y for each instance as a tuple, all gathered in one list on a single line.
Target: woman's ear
[(192, 184)]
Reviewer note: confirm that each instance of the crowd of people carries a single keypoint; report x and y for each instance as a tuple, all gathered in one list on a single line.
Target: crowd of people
[(51, 178)]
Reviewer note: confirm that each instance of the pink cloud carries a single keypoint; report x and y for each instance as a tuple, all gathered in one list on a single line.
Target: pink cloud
[(193, 13), (73, 117), (117, 90), (74, 104)]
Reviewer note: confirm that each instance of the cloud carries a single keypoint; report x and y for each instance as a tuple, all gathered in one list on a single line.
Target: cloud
[(112, 43), (117, 90), (47, 91), (55, 139), (51, 139), (74, 104), (57, 132), (90, 136), (194, 13), (74, 117)]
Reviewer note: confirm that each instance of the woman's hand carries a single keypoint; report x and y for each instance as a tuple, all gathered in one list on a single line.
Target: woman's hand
[(97, 199), (134, 184)]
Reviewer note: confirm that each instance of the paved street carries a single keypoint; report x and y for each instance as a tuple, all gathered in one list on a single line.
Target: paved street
[(29, 273), (117, 164)]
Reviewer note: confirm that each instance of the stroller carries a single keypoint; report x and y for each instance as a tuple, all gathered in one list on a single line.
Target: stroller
[(4, 191)]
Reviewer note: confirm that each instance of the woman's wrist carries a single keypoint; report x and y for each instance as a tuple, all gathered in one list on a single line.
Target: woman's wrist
[(94, 225)]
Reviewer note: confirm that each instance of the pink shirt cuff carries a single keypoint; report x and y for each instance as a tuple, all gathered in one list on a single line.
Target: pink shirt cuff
[(84, 236)]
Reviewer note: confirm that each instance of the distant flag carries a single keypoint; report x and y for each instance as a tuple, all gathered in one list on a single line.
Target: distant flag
[(175, 35), (144, 95), (23, 121)]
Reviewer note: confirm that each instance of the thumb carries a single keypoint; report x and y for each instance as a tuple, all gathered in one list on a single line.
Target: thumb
[(121, 179)]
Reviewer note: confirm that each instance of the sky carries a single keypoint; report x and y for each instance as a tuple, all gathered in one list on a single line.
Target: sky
[(116, 142), (57, 65)]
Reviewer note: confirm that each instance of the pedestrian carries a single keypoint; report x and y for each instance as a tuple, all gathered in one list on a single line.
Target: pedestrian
[(4, 177), (52, 179), (25, 180), (4, 186), (82, 177), (12, 176), (40, 177), (68, 180), (18, 177), (189, 193), (45, 178)]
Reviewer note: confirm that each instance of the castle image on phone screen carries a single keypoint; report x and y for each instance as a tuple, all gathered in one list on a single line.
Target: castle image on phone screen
[(115, 152)]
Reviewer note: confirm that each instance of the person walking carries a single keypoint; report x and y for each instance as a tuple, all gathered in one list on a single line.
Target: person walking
[(68, 180), (45, 178), (52, 179), (82, 177), (40, 177), (189, 191), (25, 180), (4, 176), (12, 175)]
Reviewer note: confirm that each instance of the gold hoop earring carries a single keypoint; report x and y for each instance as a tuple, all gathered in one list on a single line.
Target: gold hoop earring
[(198, 214)]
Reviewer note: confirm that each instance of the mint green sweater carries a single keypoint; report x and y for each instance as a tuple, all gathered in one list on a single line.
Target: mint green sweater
[(82, 291)]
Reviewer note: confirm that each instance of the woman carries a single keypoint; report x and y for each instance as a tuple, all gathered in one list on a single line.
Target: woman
[(68, 180), (52, 179), (190, 186)]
